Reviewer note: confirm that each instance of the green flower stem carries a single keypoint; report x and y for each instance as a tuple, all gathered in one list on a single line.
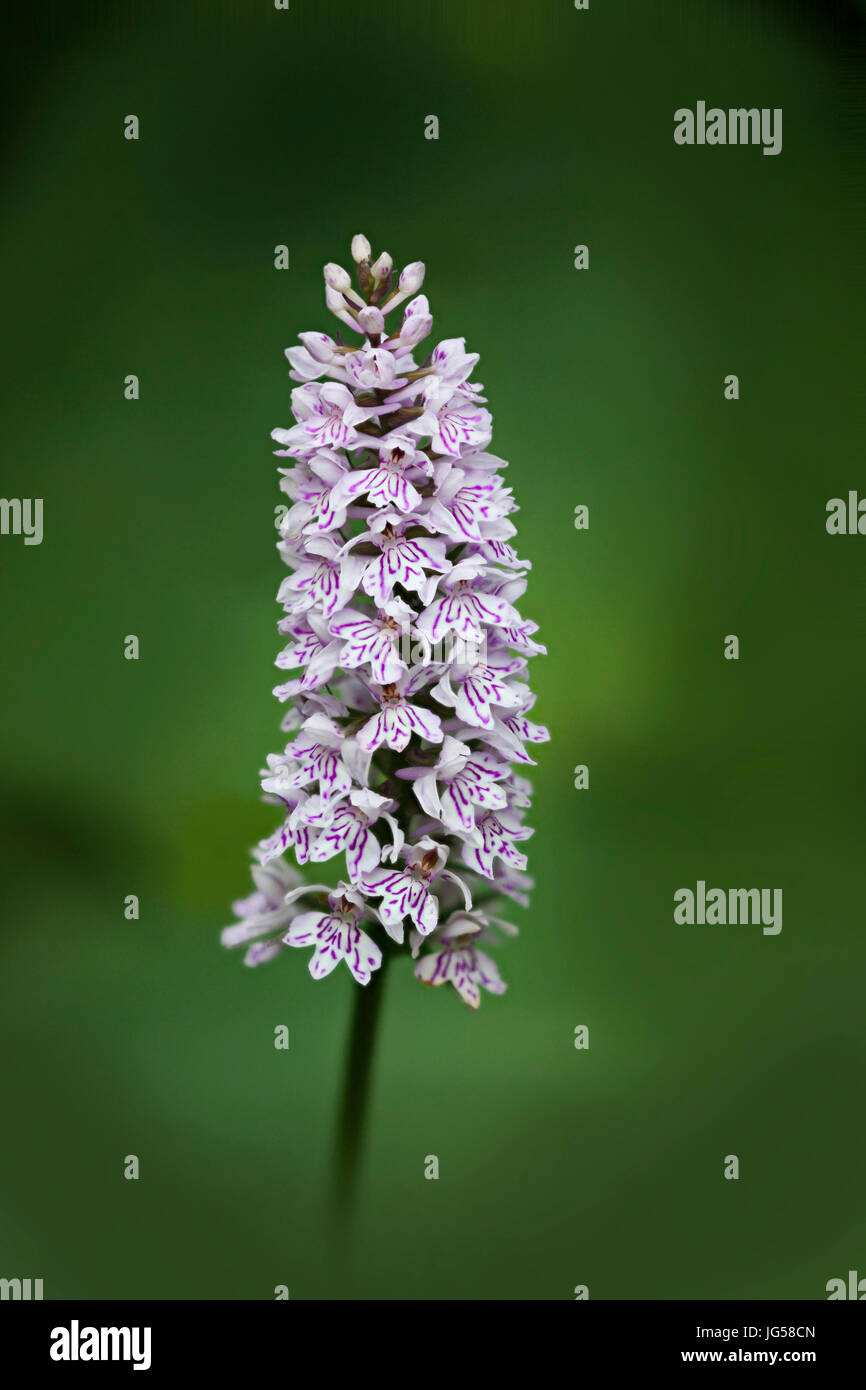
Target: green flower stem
[(357, 1078)]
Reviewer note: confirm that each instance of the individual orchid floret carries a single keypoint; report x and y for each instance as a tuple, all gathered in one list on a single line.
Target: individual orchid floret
[(335, 936), (495, 836), (317, 354), (466, 607), (314, 756), (385, 485), (477, 690), (368, 639), (457, 960), (398, 719), (404, 661), (461, 780), (412, 562), (409, 891), (264, 913), (347, 827)]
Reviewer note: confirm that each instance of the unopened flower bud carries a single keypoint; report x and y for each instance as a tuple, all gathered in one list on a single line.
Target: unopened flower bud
[(382, 266), (415, 329), (372, 320), (412, 277), (336, 278), (337, 305), (319, 346), (361, 249)]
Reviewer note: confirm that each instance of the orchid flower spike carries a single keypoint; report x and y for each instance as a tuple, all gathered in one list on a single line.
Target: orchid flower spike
[(404, 669)]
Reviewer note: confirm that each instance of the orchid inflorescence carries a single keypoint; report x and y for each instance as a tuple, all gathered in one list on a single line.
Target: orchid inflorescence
[(409, 709)]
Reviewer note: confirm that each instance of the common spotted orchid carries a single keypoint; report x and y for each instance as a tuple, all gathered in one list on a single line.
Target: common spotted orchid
[(405, 657)]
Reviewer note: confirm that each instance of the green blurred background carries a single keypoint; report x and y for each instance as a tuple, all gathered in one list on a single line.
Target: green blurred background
[(558, 1167)]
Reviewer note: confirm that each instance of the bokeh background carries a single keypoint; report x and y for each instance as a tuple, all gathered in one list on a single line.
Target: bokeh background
[(558, 1167)]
